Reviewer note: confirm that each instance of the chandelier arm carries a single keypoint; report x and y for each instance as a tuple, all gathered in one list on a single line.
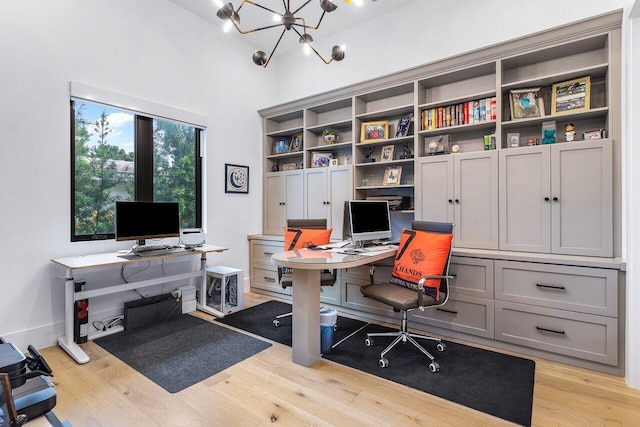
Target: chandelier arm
[(255, 29), (313, 49), (304, 24), (298, 9), (274, 49)]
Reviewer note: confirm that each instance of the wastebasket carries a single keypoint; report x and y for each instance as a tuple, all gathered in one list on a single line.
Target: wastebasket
[(328, 318)]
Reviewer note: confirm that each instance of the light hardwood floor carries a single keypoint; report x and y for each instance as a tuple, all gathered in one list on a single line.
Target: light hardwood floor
[(269, 389)]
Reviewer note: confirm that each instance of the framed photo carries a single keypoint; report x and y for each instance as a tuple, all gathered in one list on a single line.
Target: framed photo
[(513, 140), (281, 145), (392, 175), (387, 153), (320, 159), (289, 166), (526, 103), (374, 131), (334, 162), (296, 143), (571, 96), (403, 126), (237, 179)]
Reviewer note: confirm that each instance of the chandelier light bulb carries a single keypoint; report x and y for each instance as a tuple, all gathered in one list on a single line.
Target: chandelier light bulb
[(277, 18), (218, 3), (227, 26), (307, 49)]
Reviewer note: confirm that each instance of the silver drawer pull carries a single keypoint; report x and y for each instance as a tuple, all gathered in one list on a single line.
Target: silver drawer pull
[(268, 253), (555, 287), (269, 279), (553, 331), (447, 311)]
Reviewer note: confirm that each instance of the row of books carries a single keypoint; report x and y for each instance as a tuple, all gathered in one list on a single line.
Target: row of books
[(476, 111)]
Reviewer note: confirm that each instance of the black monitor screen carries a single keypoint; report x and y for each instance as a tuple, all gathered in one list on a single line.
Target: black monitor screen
[(369, 220), (147, 220)]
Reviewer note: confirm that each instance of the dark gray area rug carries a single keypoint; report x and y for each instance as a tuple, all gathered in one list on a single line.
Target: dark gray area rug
[(182, 351), (258, 320), (494, 383)]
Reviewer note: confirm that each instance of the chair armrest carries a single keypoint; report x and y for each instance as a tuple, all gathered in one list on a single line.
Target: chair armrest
[(420, 289), (372, 270)]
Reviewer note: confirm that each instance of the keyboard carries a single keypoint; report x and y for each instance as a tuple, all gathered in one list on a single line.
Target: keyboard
[(155, 250)]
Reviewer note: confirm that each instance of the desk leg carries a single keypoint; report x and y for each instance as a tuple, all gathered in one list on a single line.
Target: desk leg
[(66, 341), (306, 316)]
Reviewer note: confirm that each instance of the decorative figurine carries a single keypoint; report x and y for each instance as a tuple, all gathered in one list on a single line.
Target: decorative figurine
[(455, 148), (569, 132), (406, 152), (368, 158), (549, 136), (275, 167)]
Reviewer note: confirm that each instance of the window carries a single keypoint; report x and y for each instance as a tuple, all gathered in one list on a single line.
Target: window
[(123, 155)]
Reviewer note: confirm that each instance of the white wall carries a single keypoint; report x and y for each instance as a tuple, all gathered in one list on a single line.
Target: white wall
[(148, 49)]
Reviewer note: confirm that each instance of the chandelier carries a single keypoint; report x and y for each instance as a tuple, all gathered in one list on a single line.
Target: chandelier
[(289, 20)]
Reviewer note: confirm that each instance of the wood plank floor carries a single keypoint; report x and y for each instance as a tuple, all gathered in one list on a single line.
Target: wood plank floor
[(269, 389)]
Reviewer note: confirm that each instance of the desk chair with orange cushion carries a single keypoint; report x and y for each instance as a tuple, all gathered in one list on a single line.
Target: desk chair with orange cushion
[(420, 280), (302, 233)]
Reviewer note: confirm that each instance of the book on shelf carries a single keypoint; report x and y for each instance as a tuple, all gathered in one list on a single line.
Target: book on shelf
[(470, 112)]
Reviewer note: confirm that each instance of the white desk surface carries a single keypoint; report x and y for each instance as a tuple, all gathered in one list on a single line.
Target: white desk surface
[(112, 258), (307, 259)]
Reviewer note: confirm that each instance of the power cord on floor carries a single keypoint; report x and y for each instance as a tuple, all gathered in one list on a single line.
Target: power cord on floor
[(103, 325)]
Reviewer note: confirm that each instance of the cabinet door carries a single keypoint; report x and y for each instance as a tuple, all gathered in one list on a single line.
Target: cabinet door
[(293, 193), (316, 193), (476, 200), (340, 190), (525, 204), (434, 200), (273, 203), (581, 198)]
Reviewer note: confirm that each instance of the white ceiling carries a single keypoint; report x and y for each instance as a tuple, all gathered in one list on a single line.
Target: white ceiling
[(345, 16)]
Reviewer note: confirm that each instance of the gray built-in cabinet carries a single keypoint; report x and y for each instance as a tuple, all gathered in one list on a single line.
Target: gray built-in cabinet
[(537, 246)]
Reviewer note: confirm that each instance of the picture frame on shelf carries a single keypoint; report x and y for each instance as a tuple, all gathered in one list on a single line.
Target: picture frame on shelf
[(571, 96), (236, 178), (320, 159), (594, 134), (513, 140), (281, 145), (333, 162), (403, 126), (526, 103), (386, 154), (374, 131), (296, 143), (392, 175), (289, 166)]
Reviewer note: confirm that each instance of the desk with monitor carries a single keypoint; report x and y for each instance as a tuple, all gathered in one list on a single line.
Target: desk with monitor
[(306, 265), (93, 261)]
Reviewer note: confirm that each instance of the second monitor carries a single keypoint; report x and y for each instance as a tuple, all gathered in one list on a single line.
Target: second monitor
[(369, 220)]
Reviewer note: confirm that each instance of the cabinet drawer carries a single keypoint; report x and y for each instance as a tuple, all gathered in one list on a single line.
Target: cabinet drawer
[(353, 298), (261, 252), (585, 336), (461, 313), (330, 294), (582, 289), (473, 277), (267, 279)]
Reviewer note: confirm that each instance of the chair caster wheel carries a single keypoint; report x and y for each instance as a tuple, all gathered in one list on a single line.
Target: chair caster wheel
[(383, 362), (276, 323), (434, 367), (440, 346), (335, 328), (368, 342)]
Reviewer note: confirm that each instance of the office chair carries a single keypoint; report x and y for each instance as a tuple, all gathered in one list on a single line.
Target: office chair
[(327, 278), (404, 299)]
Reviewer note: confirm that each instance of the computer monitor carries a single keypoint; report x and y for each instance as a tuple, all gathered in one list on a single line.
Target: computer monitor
[(369, 220), (147, 220)]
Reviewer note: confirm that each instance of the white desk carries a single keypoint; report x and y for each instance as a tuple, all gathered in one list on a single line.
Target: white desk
[(112, 258), (306, 265)]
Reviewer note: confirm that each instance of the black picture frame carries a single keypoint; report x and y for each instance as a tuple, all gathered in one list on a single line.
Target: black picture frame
[(236, 179)]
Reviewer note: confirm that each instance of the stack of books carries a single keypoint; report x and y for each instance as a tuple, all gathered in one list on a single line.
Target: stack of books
[(476, 111)]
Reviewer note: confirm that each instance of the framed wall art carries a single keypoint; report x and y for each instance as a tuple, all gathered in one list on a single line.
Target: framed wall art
[(296, 143), (320, 159), (387, 153), (571, 96), (374, 131), (237, 179), (526, 103)]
